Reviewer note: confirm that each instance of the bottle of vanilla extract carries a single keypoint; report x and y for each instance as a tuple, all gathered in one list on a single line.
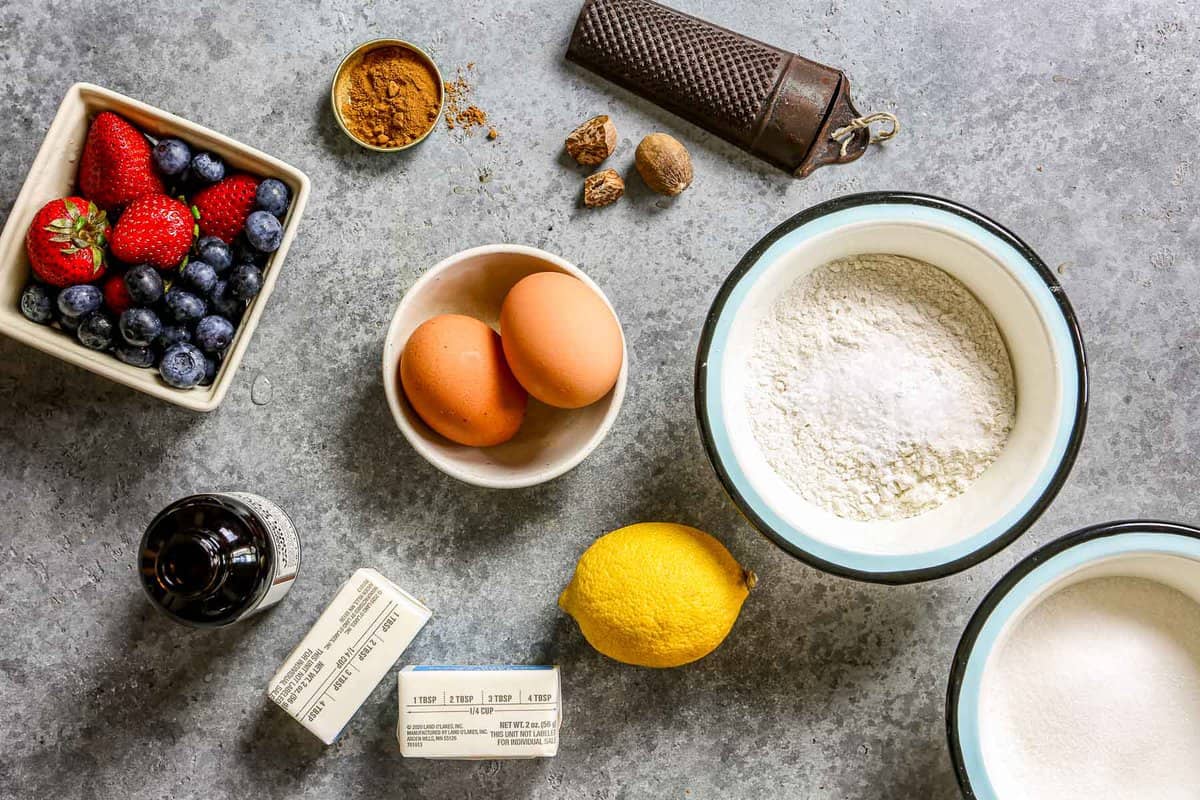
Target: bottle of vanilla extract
[(211, 560)]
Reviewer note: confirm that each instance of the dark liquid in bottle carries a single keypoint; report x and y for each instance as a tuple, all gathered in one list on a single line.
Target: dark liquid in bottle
[(207, 560)]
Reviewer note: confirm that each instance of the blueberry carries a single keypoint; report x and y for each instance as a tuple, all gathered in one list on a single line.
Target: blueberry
[(264, 232), (245, 282), (224, 302), (172, 335), (210, 371), (200, 276), (184, 306), (272, 197), (144, 283), (79, 301), (171, 156), (208, 167), (37, 305), (212, 250), (140, 326), (214, 334), (182, 366), (134, 356), (246, 253), (97, 331), (68, 324)]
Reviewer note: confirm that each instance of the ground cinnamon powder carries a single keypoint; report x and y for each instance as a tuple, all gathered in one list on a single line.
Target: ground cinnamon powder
[(460, 111), (390, 97)]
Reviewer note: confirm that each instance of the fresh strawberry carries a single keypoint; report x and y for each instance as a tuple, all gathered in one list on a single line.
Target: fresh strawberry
[(224, 206), (116, 295), (117, 166), (65, 242), (154, 230)]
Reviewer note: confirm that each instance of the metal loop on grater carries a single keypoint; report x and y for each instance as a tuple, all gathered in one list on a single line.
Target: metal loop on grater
[(845, 134)]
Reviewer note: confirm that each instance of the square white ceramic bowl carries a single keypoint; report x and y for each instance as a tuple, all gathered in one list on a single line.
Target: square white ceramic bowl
[(53, 175)]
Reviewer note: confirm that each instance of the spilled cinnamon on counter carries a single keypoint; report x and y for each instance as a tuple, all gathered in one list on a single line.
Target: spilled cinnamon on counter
[(461, 113), (390, 98)]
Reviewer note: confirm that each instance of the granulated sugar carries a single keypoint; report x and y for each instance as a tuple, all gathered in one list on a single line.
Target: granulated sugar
[(879, 387), (1096, 696)]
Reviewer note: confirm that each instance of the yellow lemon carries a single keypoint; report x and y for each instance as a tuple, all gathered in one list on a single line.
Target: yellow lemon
[(656, 594)]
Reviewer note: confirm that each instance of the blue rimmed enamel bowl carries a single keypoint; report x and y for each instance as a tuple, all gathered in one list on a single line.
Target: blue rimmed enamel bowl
[(1034, 318), (1164, 552)]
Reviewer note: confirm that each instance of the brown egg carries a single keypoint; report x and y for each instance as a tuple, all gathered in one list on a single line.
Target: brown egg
[(455, 377), (561, 339)]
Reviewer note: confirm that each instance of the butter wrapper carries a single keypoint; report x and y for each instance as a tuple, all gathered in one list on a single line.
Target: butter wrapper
[(479, 712), (355, 641)]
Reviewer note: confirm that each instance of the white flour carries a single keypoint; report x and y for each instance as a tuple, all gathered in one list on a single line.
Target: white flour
[(1096, 696), (879, 387)]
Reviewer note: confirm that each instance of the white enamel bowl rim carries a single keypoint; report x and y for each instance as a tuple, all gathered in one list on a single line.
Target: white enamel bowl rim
[(1047, 353), (1163, 551)]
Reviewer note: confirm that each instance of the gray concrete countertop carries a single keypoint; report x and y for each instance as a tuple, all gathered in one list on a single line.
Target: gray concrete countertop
[(1071, 122)]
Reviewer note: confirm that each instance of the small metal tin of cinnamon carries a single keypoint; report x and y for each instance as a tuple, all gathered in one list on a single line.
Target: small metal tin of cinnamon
[(338, 89)]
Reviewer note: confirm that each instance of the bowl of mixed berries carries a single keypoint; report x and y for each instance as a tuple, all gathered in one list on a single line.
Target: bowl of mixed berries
[(143, 247)]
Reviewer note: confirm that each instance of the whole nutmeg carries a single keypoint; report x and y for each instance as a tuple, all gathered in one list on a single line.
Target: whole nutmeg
[(664, 164), (603, 188), (593, 141)]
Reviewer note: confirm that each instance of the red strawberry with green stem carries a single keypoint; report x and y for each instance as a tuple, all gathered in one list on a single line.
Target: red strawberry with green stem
[(154, 230), (224, 206), (65, 242), (117, 165)]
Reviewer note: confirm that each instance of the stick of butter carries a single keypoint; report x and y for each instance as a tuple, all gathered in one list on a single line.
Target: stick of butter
[(479, 712), (355, 641)]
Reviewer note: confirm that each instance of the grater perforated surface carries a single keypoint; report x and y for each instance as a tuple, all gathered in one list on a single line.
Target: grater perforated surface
[(699, 70)]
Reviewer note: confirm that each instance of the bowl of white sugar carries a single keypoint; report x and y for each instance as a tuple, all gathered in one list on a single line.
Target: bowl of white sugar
[(1079, 676), (891, 386)]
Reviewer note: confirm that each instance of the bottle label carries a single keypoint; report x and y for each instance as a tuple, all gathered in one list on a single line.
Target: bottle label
[(286, 542)]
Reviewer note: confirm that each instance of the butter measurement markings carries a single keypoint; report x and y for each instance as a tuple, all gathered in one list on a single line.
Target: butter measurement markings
[(472, 708), (322, 690), (350, 653), (436, 706), (465, 709), (541, 701)]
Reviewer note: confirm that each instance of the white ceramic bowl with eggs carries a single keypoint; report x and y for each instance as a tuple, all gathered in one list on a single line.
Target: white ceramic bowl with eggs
[(1033, 317), (551, 441)]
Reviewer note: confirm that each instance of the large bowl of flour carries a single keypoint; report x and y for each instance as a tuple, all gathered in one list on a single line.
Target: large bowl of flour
[(1079, 675), (891, 387)]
